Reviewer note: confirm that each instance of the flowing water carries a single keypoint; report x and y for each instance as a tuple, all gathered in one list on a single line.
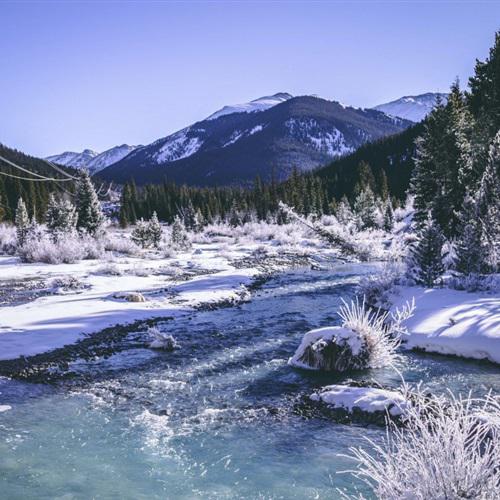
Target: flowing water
[(218, 418)]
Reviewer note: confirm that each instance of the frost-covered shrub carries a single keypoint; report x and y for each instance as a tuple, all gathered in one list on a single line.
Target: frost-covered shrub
[(39, 247), (109, 269), (449, 448), (475, 282), (8, 239), (67, 283), (366, 339), (67, 251), (93, 247), (376, 287), (123, 245)]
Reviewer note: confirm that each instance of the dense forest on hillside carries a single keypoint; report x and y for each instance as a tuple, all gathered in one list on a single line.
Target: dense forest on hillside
[(15, 183)]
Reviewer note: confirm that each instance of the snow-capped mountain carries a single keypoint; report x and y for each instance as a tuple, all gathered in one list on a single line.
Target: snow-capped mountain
[(275, 133), (260, 104), (91, 160), (414, 107), (72, 159)]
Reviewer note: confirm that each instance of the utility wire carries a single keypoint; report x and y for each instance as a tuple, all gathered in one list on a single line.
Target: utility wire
[(41, 177)]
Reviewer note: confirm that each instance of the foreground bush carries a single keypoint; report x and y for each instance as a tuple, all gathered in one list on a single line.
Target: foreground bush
[(69, 250), (447, 449)]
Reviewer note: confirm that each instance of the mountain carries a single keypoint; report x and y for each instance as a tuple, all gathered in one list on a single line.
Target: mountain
[(270, 134), (91, 160), (260, 104), (72, 159), (392, 155), (413, 107)]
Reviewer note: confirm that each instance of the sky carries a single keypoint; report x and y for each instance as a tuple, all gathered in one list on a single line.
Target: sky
[(97, 74)]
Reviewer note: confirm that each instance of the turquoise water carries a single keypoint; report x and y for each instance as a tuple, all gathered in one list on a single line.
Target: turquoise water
[(219, 418)]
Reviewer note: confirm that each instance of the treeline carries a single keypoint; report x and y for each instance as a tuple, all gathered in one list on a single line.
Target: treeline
[(456, 180), (306, 193), (35, 193)]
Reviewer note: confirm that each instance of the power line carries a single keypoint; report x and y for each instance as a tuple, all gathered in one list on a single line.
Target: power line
[(60, 170), (41, 177)]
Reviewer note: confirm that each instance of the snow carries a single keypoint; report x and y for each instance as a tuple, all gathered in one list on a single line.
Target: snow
[(56, 320), (452, 322), (91, 160), (331, 142), (367, 399), (254, 106), (177, 146), (325, 334), (110, 156), (73, 159), (413, 108)]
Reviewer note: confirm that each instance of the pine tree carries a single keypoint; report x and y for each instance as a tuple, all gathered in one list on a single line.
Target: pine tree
[(154, 230), (469, 248), (179, 238), (60, 217), (488, 205), (22, 222), (90, 216), (140, 234), (343, 212), (364, 208), (388, 217), (426, 263)]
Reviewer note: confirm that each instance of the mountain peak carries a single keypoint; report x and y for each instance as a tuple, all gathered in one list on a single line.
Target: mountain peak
[(259, 104), (412, 107)]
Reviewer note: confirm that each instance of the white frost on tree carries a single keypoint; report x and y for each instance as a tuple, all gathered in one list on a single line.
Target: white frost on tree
[(90, 216), (21, 222)]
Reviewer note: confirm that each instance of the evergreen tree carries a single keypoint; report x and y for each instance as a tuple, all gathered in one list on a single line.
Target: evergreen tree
[(60, 217), (179, 238), (488, 205), (469, 248), (90, 216), (154, 230), (388, 217), (343, 213), (22, 222), (140, 234), (426, 263), (365, 208)]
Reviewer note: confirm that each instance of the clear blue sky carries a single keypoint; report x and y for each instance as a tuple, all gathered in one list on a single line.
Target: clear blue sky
[(97, 74)]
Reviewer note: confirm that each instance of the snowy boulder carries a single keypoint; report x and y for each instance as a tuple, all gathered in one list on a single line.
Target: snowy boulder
[(162, 340), (370, 403), (333, 348), (130, 296)]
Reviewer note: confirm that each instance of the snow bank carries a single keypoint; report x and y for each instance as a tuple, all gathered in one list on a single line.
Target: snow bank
[(452, 322), (56, 320), (366, 399)]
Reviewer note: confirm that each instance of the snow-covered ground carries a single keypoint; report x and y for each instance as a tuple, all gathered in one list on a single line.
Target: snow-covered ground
[(218, 268), (58, 319), (453, 322)]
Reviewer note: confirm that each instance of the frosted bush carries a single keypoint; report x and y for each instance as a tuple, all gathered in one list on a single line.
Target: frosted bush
[(380, 332), (121, 244), (67, 251), (475, 282), (93, 248), (40, 247), (376, 287), (8, 240), (448, 448), (109, 269)]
